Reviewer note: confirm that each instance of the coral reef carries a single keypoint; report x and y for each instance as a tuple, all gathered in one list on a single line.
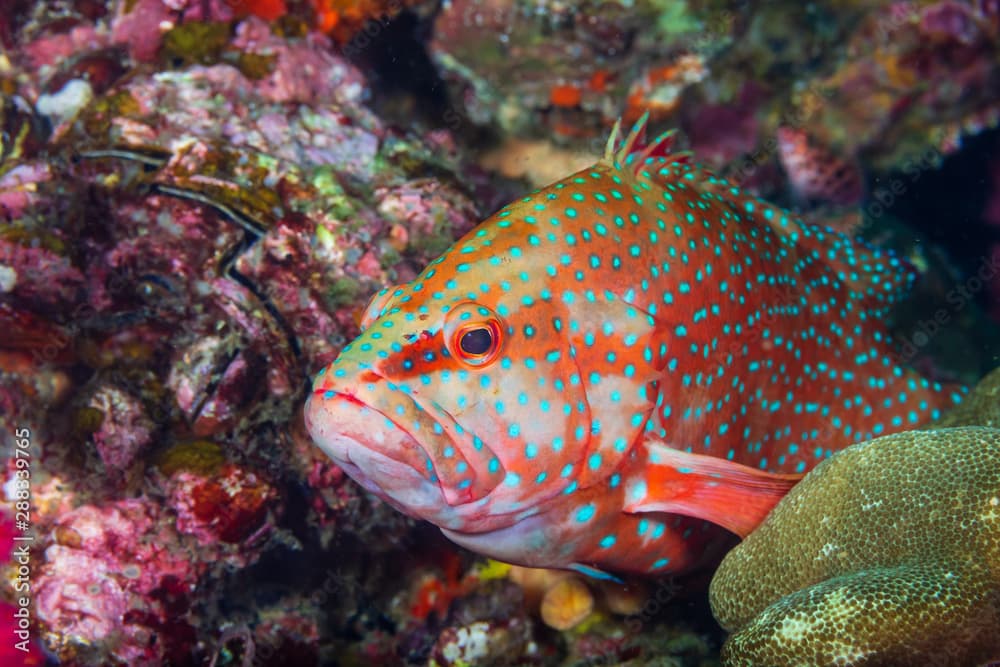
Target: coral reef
[(570, 66), (198, 198), (885, 554), (345, 20), (116, 581), (179, 247)]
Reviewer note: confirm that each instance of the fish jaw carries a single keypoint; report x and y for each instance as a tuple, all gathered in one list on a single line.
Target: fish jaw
[(383, 458), (531, 542)]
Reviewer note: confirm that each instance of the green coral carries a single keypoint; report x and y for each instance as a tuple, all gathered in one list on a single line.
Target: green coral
[(255, 66), (886, 554), (335, 200), (674, 18)]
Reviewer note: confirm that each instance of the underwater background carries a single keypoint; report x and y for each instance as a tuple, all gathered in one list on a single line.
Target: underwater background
[(198, 198)]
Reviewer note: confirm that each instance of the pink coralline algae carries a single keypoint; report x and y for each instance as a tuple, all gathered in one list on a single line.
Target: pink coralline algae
[(958, 22), (125, 428), (139, 25), (302, 71), (18, 188), (116, 580), (37, 274)]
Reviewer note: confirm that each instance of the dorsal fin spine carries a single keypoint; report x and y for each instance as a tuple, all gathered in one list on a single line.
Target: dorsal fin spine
[(625, 153)]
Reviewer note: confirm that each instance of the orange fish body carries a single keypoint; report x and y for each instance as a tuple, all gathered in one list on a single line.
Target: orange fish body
[(606, 370)]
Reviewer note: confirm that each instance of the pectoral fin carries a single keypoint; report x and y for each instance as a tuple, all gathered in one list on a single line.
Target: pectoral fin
[(732, 495)]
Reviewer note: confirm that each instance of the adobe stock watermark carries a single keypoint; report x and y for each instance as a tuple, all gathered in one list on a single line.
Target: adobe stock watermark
[(958, 298), (23, 539)]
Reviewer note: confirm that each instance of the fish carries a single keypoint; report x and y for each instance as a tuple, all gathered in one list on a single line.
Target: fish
[(815, 173), (617, 371)]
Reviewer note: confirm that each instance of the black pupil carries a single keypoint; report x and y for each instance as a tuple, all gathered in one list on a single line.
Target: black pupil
[(476, 341)]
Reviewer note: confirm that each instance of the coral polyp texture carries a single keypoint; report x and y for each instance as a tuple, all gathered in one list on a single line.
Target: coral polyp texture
[(887, 554)]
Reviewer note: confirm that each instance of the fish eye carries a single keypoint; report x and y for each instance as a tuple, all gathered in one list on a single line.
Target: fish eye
[(476, 342), (473, 334)]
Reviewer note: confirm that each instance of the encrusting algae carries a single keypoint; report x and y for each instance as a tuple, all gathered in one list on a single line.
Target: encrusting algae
[(886, 554)]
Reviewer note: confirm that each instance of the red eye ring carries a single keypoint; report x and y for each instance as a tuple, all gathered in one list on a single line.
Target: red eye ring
[(477, 344), (474, 334)]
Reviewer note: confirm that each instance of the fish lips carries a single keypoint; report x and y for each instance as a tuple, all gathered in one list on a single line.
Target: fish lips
[(391, 463), (380, 455)]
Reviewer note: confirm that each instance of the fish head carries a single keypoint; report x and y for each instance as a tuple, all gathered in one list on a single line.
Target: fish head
[(490, 385)]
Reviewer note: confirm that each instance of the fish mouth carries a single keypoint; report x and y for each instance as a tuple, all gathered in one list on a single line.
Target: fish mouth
[(375, 451), (358, 439), (430, 477)]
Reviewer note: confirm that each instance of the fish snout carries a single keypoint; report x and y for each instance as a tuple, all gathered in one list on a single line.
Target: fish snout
[(381, 457)]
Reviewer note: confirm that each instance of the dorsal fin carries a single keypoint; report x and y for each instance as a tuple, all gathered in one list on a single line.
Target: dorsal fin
[(633, 152)]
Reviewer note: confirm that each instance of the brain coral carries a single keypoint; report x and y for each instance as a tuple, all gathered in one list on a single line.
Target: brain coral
[(886, 554)]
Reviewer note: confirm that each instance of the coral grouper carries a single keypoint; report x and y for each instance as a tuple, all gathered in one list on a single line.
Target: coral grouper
[(604, 369)]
